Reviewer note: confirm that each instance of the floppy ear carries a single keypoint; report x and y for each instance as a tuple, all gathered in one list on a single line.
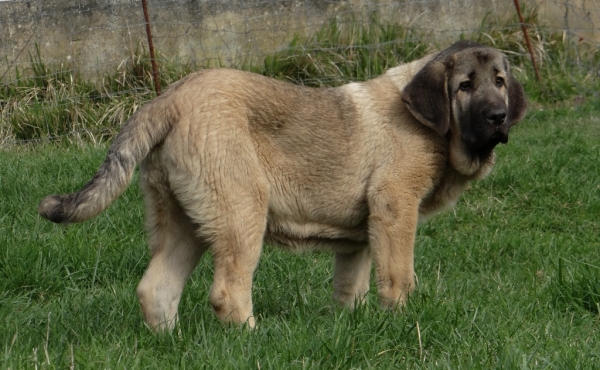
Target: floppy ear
[(426, 97), (517, 105)]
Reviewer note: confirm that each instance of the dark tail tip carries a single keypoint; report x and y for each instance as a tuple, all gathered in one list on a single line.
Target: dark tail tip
[(52, 209)]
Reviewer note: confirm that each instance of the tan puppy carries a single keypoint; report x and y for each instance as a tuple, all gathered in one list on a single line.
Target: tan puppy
[(230, 159)]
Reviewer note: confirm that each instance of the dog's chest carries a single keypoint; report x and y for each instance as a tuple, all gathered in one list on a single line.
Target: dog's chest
[(444, 195)]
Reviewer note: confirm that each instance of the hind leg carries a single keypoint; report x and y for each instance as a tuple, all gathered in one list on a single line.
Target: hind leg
[(221, 184), (235, 258), (175, 252), (351, 277), (233, 216), (236, 244)]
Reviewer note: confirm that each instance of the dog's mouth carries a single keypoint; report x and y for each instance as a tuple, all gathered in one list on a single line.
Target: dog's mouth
[(483, 148), (497, 138), (479, 144)]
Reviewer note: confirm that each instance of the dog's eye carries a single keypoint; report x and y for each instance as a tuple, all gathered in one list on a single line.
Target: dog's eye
[(499, 81), (465, 86)]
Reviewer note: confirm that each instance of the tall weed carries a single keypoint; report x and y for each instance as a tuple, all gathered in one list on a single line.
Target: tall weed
[(57, 103)]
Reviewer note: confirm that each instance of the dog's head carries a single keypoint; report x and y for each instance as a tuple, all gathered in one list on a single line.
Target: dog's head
[(468, 94)]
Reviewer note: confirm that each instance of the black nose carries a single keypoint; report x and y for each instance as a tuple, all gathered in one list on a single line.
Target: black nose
[(495, 116)]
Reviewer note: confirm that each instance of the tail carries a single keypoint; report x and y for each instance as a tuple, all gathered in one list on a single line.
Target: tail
[(144, 130)]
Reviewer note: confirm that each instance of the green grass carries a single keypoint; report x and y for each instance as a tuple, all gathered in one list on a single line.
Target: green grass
[(509, 279)]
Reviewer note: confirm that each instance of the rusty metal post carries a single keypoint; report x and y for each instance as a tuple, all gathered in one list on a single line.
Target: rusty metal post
[(526, 35), (155, 73)]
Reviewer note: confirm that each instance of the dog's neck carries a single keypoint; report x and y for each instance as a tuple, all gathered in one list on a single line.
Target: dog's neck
[(403, 74)]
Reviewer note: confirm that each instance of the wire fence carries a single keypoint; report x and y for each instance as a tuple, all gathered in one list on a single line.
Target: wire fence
[(50, 40)]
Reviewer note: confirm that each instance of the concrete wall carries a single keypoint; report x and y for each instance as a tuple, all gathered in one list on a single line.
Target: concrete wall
[(95, 36)]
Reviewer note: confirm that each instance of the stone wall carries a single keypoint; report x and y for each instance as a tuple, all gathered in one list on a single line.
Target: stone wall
[(95, 36)]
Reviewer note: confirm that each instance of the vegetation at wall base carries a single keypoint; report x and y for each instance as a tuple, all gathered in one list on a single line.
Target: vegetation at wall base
[(510, 278), (342, 52), (49, 103)]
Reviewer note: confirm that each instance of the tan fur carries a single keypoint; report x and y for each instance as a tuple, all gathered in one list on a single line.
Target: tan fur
[(230, 159)]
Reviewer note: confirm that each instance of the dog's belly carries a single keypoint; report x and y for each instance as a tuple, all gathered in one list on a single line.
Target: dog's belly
[(301, 236)]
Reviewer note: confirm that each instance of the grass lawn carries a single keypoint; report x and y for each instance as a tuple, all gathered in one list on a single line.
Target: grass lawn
[(508, 279)]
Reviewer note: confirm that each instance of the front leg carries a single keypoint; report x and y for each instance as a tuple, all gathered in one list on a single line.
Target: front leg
[(392, 226)]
